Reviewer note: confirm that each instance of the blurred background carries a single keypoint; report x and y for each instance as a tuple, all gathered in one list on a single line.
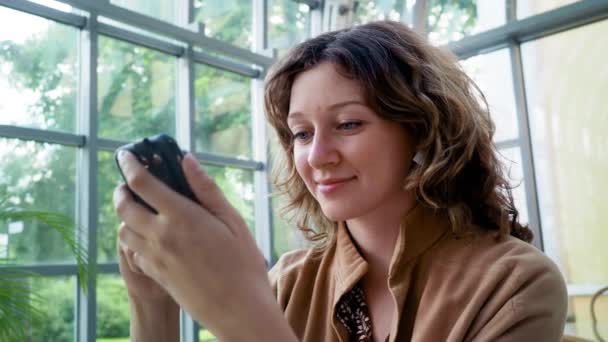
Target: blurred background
[(79, 78)]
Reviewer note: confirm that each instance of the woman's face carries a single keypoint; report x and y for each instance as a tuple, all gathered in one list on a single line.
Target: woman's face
[(352, 161)]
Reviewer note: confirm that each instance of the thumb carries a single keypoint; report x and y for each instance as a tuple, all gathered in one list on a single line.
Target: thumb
[(206, 190)]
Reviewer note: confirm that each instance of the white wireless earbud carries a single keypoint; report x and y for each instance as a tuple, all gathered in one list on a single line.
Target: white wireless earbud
[(418, 158)]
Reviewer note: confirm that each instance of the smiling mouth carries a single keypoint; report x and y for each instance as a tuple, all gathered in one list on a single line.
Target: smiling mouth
[(329, 187)]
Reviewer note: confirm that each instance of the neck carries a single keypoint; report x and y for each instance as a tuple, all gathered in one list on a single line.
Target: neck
[(375, 235)]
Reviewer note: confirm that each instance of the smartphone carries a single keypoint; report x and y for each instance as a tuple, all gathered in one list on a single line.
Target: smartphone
[(162, 157)]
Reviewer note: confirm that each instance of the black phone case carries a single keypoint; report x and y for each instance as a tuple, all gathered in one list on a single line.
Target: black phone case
[(162, 157)]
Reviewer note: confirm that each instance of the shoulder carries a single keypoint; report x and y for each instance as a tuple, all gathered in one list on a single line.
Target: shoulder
[(516, 282), (295, 271), (508, 256), (290, 264)]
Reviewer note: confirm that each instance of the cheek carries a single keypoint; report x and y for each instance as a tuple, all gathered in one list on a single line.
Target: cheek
[(301, 162), (304, 170)]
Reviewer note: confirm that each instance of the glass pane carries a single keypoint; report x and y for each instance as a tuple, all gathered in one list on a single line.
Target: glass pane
[(205, 335), (227, 20), (136, 91), (452, 20), (54, 4), (159, 9), (568, 123), (237, 185), (38, 72), (530, 8), (288, 24), (285, 235), (35, 177), (512, 164), (371, 10), (223, 112), (107, 228), (58, 303), (112, 309), (492, 74)]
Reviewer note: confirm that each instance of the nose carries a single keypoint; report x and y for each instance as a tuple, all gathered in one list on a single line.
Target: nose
[(323, 151)]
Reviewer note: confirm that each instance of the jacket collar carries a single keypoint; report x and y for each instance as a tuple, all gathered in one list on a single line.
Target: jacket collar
[(420, 228)]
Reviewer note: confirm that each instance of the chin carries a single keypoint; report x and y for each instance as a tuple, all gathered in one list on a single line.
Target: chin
[(339, 213)]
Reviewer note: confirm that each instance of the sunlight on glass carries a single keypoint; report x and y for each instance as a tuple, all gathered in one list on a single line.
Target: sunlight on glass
[(371, 10), (158, 9), (568, 125), (136, 91), (492, 74), (237, 186), (530, 8), (223, 112), (40, 177), (54, 4), (226, 20), (513, 168), (289, 24), (453, 20), (108, 177), (38, 72)]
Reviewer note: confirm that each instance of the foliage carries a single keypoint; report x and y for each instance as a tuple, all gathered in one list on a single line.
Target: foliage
[(136, 98), (19, 302)]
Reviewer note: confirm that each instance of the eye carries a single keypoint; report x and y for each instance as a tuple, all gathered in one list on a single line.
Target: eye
[(301, 135), (350, 125)]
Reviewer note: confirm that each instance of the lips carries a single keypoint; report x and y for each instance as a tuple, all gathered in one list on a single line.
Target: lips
[(331, 181), (328, 186)]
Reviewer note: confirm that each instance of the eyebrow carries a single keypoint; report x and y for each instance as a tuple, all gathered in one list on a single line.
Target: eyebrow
[(332, 107)]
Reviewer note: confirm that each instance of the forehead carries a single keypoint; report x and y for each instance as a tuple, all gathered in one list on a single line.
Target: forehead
[(322, 86)]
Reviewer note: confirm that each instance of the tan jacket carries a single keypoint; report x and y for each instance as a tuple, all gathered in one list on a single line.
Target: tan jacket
[(446, 289)]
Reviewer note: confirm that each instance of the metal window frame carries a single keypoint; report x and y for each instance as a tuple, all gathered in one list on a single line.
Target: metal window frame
[(564, 18), (254, 65), (90, 144), (86, 194), (198, 39), (510, 36)]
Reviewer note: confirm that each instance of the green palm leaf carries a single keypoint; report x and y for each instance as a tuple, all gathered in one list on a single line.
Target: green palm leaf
[(19, 304)]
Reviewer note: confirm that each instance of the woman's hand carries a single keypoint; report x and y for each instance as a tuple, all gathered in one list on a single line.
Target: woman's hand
[(139, 286), (202, 255)]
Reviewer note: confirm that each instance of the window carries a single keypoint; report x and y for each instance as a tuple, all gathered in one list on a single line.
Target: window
[(492, 74), (160, 9), (288, 24), (530, 8), (452, 20), (371, 10), (136, 88), (223, 112), (36, 177), (566, 93), (38, 64), (227, 20)]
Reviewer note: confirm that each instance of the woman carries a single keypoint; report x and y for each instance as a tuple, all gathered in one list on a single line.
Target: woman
[(392, 174)]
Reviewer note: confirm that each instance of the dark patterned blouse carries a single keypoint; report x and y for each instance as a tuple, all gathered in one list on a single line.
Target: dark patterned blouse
[(353, 313)]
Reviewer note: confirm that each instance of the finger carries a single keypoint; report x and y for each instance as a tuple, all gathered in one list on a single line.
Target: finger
[(134, 263), (131, 240), (126, 271), (153, 191), (127, 254), (206, 190), (136, 216)]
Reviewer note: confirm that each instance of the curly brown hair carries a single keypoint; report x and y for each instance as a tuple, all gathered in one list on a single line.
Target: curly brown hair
[(406, 80)]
